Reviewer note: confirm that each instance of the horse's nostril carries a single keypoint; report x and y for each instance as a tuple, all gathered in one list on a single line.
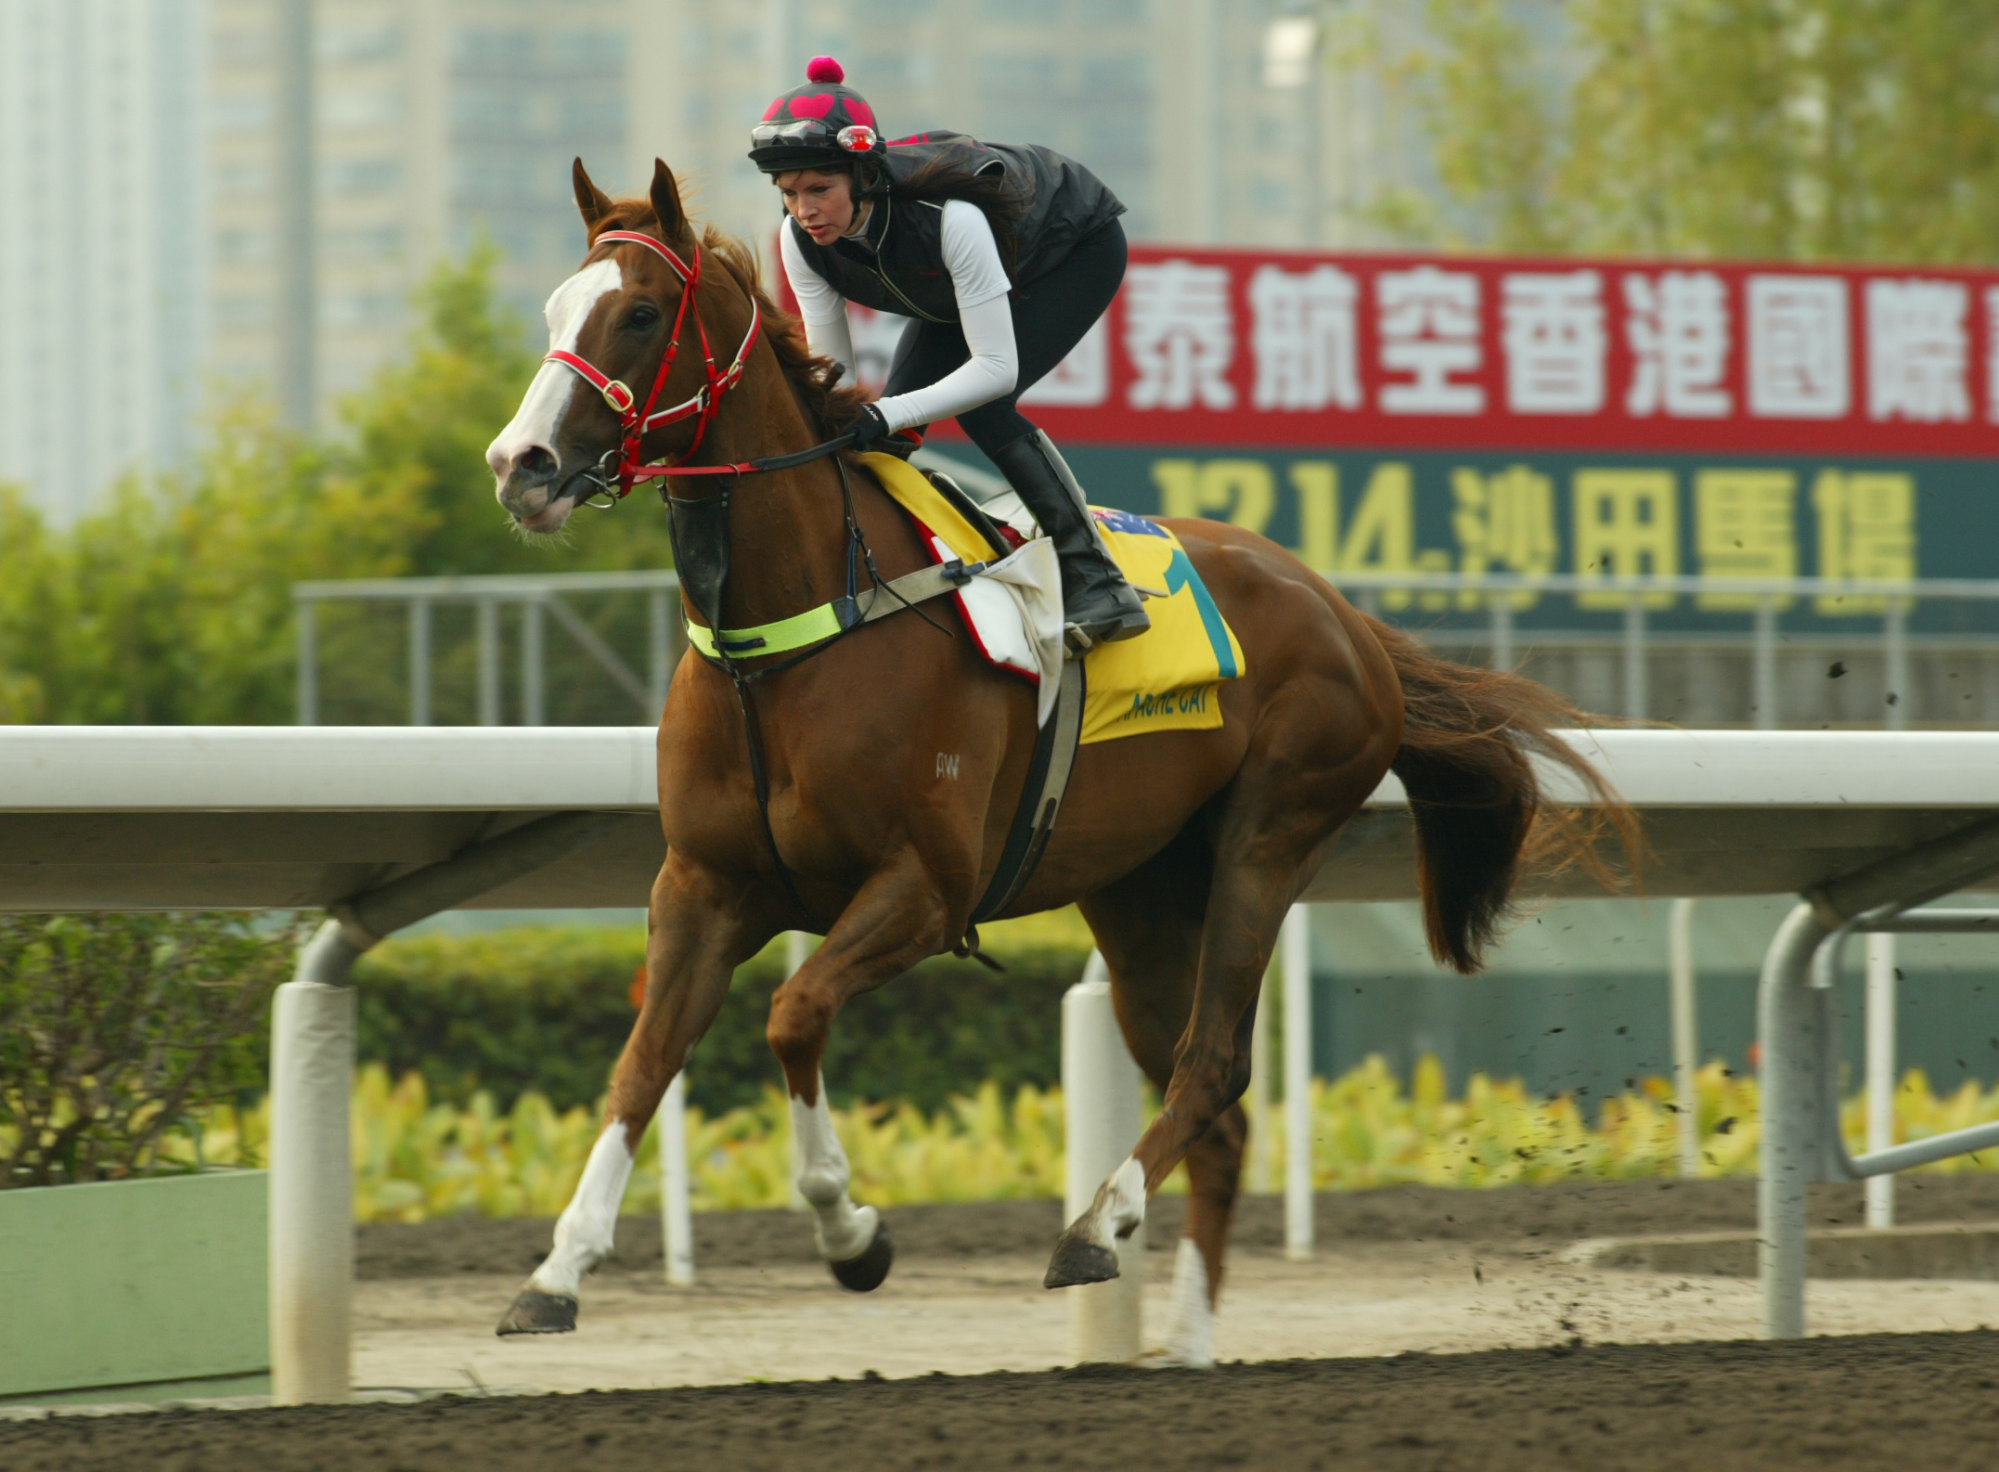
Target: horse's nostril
[(537, 463)]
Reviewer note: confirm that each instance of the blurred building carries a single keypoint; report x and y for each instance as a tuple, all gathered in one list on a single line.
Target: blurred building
[(102, 275), (1251, 122), (426, 128)]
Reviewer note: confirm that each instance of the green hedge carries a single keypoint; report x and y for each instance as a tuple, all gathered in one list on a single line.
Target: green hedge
[(548, 1009), (118, 1031)]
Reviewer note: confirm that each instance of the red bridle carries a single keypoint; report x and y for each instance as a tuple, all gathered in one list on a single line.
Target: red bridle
[(702, 408)]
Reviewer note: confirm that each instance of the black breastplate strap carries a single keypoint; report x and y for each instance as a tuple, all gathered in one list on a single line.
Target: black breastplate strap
[(1040, 798), (699, 526)]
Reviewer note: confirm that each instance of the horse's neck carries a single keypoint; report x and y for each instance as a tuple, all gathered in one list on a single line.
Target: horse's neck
[(787, 529)]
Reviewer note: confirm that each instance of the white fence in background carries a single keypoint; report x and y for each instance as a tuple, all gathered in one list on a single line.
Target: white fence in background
[(531, 601), (539, 608)]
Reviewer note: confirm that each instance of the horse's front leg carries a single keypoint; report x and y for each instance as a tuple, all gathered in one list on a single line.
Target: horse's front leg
[(896, 920), (696, 936)]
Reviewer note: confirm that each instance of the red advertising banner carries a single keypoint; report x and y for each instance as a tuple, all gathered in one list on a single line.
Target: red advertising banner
[(1290, 350)]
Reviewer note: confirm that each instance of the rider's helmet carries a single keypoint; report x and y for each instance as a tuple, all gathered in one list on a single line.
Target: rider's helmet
[(821, 125)]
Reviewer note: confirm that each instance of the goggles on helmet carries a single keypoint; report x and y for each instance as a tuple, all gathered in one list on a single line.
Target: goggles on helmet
[(802, 130), (812, 133)]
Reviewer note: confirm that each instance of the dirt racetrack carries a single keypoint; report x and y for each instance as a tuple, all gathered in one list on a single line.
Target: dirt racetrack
[(1874, 1401), (1561, 1212), (1855, 1400)]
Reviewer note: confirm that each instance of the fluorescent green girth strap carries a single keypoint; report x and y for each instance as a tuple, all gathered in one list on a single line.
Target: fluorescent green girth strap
[(781, 637), (823, 622)]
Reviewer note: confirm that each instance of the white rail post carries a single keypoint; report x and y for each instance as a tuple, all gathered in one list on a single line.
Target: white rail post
[(489, 661), (534, 701), (1686, 1033), (419, 662), (1895, 661), (1765, 664), (1881, 952), (676, 1216), (1637, 693), (1262, 1141), (1295, 940), (1880, 1072), (312, 1175), (308, 662), (1789, 1024), (1102, 1118)]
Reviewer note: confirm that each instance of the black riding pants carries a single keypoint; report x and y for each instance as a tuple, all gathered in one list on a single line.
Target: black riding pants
[(1050, 315)]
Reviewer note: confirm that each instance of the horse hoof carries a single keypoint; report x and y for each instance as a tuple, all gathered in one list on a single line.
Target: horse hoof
[(536, 1312), (867, 1272), (1079, 1260)]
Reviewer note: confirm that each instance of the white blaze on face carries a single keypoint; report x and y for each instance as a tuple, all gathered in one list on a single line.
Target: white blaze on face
[(534, 423)]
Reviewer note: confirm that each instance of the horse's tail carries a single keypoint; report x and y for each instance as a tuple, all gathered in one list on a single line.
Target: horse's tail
[(1467, 735)]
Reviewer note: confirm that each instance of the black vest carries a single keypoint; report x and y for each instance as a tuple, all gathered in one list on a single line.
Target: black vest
[(905, 272)]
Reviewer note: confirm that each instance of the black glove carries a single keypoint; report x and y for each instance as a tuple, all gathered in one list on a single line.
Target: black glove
[(868, 428)]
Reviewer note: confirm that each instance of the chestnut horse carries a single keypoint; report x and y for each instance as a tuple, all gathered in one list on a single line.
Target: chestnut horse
[(895, 758)]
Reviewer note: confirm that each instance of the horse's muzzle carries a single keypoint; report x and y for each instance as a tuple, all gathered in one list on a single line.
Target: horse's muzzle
[(527, 484)]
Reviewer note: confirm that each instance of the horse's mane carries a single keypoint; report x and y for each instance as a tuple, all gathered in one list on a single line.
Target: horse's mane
[(830, 408)]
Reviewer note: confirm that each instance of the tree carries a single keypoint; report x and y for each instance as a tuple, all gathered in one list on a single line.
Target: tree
[(26, 595), (419, 432), (172, 603), (117, 1031), (1771, 129)]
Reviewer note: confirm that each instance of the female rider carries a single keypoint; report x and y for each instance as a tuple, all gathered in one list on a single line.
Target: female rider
[(1004, 255)]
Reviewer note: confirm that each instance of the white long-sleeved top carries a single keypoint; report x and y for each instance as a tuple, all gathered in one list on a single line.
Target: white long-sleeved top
[(985, 312)]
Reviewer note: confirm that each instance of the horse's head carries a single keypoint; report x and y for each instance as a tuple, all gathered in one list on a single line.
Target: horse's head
[(613, 319)]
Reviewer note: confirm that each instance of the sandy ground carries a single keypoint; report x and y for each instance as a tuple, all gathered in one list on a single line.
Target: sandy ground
[(967, 1317)]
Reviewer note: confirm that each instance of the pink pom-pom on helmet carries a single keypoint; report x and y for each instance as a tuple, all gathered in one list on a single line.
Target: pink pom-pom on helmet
[(824, 69)]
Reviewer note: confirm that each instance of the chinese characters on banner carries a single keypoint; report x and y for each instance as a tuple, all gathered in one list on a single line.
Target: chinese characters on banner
[(1658, 516), (1230, 348)]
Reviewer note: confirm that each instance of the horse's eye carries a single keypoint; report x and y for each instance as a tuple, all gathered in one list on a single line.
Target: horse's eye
[(643, 316)]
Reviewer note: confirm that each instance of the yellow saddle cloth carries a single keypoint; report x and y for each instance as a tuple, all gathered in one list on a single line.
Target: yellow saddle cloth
[(1163, 680)]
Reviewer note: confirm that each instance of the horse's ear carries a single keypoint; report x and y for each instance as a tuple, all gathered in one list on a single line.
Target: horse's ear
[(592, 201), (666, 202)]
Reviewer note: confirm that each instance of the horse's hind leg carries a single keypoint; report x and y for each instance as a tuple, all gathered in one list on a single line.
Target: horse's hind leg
[(1268, 836), (695, 938), (896, 920), (1214, 1173), (1149, 928)]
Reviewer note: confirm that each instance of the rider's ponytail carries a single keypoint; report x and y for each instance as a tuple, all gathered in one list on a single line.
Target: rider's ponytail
[(1003, 202)]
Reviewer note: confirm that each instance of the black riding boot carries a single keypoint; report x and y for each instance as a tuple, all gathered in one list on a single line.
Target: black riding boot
[(1098, 605)]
